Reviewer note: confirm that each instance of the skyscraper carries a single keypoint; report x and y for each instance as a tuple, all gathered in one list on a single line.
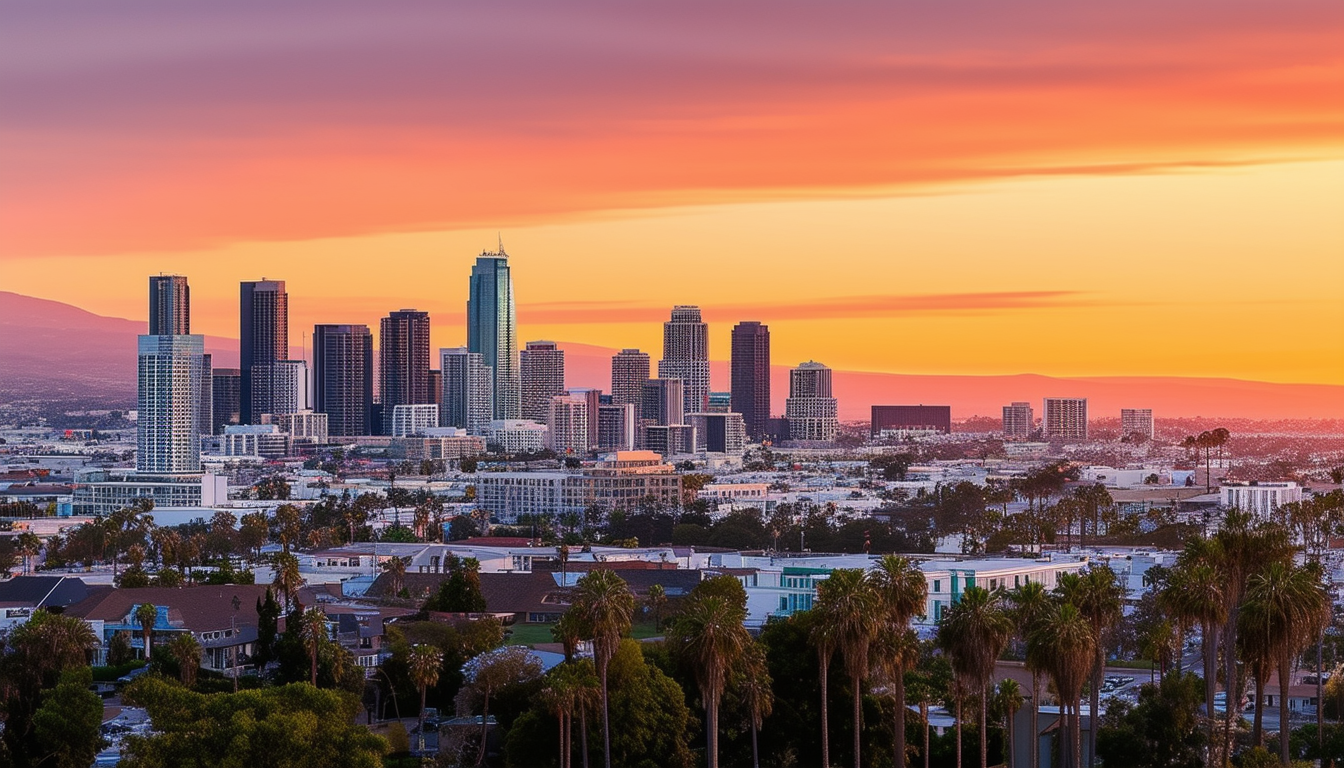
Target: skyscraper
[(205, 404), (169, 305), (403, 357), (225, 391), (686, 356), (616, 427), (1065, 418), (491, 323), (1136, 421), (542, 366), (468, 390), (1018, 421), (567, 425), (811, 410), (343, 377), (263, 335), (629, 371), (168, 386), (751, 376), (663, 402), (279, 387)]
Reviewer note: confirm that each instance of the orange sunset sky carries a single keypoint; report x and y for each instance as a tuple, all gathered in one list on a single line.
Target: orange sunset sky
[(1139, 188)]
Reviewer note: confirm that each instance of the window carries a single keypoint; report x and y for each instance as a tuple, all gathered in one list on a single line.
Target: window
[(937, 585), (1017, 581)]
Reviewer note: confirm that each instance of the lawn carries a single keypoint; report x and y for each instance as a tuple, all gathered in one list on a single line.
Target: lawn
[(531, 634)]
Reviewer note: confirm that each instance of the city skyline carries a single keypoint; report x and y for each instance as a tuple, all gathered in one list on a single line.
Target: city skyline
[(1138, 185)]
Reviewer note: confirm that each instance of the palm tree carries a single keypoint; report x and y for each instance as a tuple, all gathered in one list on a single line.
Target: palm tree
[(396, 572), (29, 546), (1287, 605), (656, 599), (822, 635), (901, 594), (847, 602), (424, 663), (558, 698), (187, 653), (922, 693), (605, 606), (1098, 595), (287, 577), (146, 615), (754, 687), (1195, 594), (974, 631), (1063, 645), (1007, 700), (710, 637), (1031, 603), (896, 651), (313, 626)]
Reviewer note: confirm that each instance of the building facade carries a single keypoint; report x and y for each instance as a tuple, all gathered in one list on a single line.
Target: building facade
[(620, 481), (408, 420), (911, 418), (515, 436), (1136, 421), (279, 387), (663, 402), (263, 336), (686, 356), (492, 330), (205, 401), (1018, 421), (468, 390), (305, 426), (811, 410), (542, 365), (1260, 499), (629, 370), (403, 359), (343, 377), (616, 427), (168, 383), (169, 305), (1065, 418), (719, 432), (567, 425), (751, 376)]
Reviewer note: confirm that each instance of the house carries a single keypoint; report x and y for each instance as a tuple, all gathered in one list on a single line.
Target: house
[(22, 595)]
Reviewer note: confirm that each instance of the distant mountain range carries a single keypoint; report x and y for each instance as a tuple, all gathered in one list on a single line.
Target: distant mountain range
[(56, 351)]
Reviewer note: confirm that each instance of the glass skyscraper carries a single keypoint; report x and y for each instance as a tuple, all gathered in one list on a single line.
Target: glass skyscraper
[(491, 329), (169, 372)]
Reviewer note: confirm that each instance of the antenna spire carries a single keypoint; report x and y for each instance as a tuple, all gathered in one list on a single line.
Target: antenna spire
[(500, 235)]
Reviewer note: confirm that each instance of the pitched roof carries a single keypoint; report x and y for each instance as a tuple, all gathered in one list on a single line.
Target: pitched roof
[(198, 609), (43, 591)]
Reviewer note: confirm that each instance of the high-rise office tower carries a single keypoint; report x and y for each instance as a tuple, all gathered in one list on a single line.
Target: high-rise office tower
[(567, 425), (491, 324), (263, 334), (343, 378), (225, 394), (629, 371), (1136, 421), (751, 376), (468, 390), (616, 427), (403, 358), (542, 366), (594, 399), (1018, 421), (719, 432), (168, 386), (169, 305), (205, 405), (811, 409), (686, 356), (1065, 418), (436, 386), (663, 402), (279, 387)]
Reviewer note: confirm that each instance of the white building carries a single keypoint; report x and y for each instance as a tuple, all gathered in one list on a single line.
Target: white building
[(621, 480), (616, 427), (567, 425), (304, 426), (408, 420), (542, 371), (1259, 498), (811, 410), (468, 390), (169, 389), (264, 440), (719, 432), (516, 435), (101, 492)]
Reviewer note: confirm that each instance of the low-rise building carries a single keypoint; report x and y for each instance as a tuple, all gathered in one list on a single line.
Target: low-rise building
[(1259, 498), (101, 492), (619, 480), (516, 435)]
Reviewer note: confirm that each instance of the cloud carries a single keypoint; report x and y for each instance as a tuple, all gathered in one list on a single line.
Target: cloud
[(599, 312)]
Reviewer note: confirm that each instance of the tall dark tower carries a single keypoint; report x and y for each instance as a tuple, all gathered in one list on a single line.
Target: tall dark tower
[(169, 306), (263, 334), (403, 359), (343, 377), (751, 376)]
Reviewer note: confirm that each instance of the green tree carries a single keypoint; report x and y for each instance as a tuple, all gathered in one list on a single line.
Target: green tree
[(650, 723), (849, 605), (710, 637), (1194, 594), (1161, 730), (604, 605), (494, 671), (1062, 644), (461, 591), (425, 661), (287, 577), (1031, 603), (146, 614), (313, 627), (753, 685), (186, 651), (288, 726), (1007, 700), (268, 629), (974, 631), (901, 591), (1099, 596), (33, 657), (68, 721)]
